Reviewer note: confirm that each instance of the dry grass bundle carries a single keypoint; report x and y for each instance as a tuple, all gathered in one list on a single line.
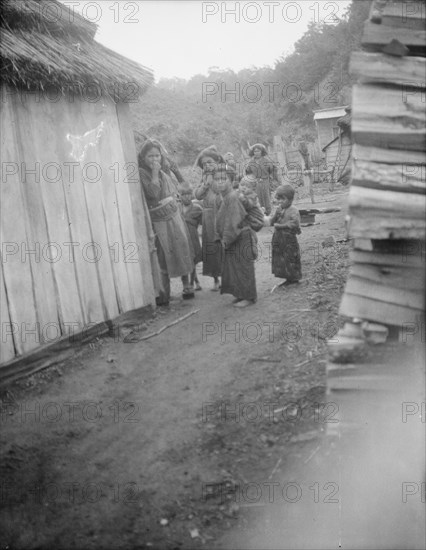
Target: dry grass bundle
[(38, 53)]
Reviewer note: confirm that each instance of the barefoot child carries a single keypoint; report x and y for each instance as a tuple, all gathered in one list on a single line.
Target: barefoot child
[(192, 213), (285, 248), (238, 240), (210, 198)]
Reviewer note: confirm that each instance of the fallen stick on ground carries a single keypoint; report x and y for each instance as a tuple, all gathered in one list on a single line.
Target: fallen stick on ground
[(275, 469), (162, 329), (314, 452)]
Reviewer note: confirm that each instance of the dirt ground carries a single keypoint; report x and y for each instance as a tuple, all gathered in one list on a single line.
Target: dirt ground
[(144, 444)]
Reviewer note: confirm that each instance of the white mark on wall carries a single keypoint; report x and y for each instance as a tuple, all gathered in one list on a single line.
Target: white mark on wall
[(80, 144)]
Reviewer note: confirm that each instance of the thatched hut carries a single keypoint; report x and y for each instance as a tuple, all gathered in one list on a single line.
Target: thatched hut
[(76, 235)]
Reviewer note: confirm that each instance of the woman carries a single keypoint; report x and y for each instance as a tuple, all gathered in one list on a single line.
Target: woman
[(238, 239), (207, 192), (171, 235), (265, 171)]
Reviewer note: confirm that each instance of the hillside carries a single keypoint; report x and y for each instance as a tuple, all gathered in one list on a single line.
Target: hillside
[(233, 109)]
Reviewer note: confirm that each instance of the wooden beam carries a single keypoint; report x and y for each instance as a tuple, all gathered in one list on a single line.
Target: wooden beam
[(376, 214), (388, 156), (375, 37), (380, 68), (402, 177), (388, 118), (407, 15)]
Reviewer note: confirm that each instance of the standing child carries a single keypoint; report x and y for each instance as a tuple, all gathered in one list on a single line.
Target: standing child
[(208, 160), (192, 213), (238, 239), (285, 248)]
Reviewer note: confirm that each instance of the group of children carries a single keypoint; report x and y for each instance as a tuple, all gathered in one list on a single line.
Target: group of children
[(230, 216)]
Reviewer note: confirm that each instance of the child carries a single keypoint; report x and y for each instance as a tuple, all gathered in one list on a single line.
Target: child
[(210, 198), (192, 213), (285, 248), (238, 240)]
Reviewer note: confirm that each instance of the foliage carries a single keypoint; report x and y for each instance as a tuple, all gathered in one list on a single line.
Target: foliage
[(232, 110)]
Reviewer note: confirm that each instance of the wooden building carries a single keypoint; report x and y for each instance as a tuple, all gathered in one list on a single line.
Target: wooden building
[(326, 124), (75, 230), (387, 196)]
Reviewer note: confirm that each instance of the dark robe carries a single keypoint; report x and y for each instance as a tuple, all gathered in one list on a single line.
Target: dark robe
[(212, 249), (171, 233), (286, 262), (240, 245)]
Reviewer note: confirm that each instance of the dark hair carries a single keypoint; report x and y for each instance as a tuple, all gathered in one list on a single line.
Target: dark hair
[(285, 191), (259, 146), (146, 147), (211, 152), (185, 189)]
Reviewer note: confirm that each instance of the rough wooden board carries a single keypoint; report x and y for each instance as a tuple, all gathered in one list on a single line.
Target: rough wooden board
[(376, 214), (407, 15), (78, 215), (18, 279), (414, 159), (382, 117), (142, 223), (393, 177), (45, 296), (132, 250), (377, 36), (392, 277), (380, 312), (360, 286), (93, 197), (7, 348), (385, 69), (411, 256), (58, 228)]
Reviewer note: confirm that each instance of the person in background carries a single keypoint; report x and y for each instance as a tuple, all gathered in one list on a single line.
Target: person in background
[(265, 171), (211, 199), (286, 262), (171, 234), (192, 213), (238, 240)]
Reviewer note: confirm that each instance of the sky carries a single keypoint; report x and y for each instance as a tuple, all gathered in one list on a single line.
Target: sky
[(181, 38)]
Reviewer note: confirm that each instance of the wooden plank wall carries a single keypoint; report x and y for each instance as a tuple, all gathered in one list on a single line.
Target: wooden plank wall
[(65, 180), (387, 198)]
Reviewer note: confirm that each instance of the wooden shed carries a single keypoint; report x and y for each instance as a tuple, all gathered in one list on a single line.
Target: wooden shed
[(75, 230), (326, 124)]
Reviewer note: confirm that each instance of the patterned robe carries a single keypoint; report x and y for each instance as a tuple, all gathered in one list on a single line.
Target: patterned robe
[(171, 234)]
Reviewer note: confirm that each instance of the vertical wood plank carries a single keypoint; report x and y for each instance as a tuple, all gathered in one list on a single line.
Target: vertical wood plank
[(17, 273), (45, 295), (44, 115), (142, 223), (85, 256), (7, 348)]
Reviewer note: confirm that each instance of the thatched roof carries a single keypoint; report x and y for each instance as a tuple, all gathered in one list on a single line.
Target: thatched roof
[(44, 44)]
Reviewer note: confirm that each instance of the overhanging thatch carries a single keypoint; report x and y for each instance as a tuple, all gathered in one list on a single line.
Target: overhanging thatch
[(41, 50)]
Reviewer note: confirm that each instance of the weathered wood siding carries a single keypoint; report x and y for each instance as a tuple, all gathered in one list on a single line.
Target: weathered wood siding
[(74, 224)]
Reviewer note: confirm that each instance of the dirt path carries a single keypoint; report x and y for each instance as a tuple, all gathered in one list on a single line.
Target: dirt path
[(129, 442)]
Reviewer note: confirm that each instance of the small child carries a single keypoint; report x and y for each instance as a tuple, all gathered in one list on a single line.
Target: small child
[(285, 248), (192, 213)]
